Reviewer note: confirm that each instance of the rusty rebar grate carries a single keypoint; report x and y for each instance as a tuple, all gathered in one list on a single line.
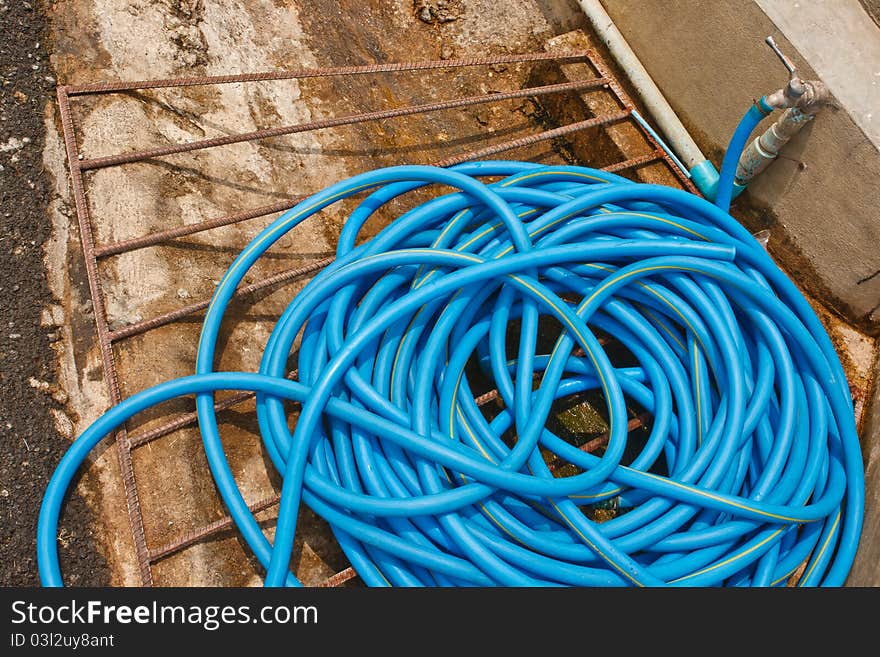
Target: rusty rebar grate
[(601, 79)]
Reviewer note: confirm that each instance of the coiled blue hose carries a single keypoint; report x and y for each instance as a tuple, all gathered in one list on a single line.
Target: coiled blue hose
[(752, 464)]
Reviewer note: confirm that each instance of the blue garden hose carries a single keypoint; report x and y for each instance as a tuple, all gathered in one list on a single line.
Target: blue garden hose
[(727, 188), (752, 464)]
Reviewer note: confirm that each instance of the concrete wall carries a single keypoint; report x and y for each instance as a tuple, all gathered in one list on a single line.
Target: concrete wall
[(710, 60)]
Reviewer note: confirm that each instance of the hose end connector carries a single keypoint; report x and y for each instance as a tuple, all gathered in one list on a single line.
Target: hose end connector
[(705, 178)]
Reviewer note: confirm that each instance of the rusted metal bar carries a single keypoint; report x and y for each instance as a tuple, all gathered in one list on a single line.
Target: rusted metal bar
[(339, 578), (600, 441), (187, 419), (174, 315), (125, 442), (602, 69), (184, 420), (117, 86), (180, 313), (532, 139), (172, 233), (208, 530), (351, 119), (224, 524), (633, 162), (123, 449), (158, 237)]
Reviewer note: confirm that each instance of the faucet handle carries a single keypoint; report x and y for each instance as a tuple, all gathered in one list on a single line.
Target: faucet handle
[(795, 87), (786, 62)]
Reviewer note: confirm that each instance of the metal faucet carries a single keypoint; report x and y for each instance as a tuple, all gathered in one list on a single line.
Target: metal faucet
[(800, 100), (809, 96)]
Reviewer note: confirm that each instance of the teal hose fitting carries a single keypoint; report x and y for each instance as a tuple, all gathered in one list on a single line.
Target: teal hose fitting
[(706, 177)]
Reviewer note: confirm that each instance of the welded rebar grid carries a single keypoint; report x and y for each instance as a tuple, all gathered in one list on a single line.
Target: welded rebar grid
[(106, 336)]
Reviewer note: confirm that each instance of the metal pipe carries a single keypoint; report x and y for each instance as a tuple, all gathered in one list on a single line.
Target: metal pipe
[(676, 134), (801, 100), (764, 149)]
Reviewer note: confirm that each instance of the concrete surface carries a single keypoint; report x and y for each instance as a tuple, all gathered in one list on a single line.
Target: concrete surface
[(710, 60), (95, 40), (842, 43)]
